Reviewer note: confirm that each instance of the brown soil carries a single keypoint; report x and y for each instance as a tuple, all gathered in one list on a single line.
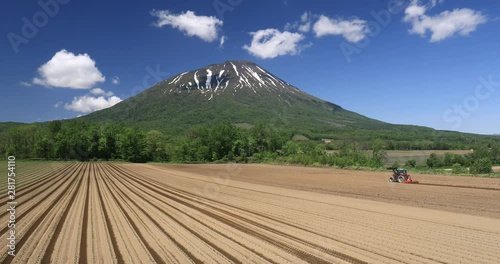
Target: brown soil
[(130, 213)]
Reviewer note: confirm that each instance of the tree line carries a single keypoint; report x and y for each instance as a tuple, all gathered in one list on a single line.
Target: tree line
[(479, 161), (223, 142)]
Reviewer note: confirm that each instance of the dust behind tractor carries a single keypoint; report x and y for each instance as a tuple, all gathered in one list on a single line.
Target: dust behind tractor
[(400, 175)]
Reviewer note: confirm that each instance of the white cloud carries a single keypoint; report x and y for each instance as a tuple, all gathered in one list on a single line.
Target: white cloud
[(87, 104), (115, 80), (305, 17), (99, 91), (414, 11), (26, 84), (97, 99), (304, 25), (68, 70), (444, 25), (222, 41), (270, 43), (291, 26), (204, 27), (352, 30)]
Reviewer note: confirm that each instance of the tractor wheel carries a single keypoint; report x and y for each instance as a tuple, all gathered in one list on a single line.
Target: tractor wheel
[(391, 179), (401, 178)]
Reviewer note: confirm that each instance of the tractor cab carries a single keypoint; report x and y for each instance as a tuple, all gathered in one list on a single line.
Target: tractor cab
[(401, 172), (400, 175)]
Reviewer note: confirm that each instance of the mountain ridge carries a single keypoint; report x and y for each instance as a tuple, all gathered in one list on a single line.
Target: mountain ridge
[(238, 91)]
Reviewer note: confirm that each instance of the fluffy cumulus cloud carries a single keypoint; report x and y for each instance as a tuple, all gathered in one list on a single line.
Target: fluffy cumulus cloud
[(97, 99), (99, 91), (68, 70), (205, 27), (444, 25), (353, 30), (270, 43)]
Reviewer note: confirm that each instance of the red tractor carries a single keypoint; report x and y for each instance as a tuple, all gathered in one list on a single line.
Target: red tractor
[(400, 175)]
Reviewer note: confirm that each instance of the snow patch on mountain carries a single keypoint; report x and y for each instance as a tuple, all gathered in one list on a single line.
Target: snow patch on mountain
[(219, 80), (235, 75), (176, 79), (236, 70), (196, 80), (208, 84)]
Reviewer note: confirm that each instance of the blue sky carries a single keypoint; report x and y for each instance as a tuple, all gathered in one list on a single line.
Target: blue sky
[(432, 63)]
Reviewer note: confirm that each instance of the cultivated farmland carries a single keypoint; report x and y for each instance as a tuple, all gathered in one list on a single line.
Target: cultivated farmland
[(138, 213)]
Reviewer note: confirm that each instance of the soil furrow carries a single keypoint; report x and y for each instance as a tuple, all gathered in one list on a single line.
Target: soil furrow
[(44, 181), (83, 241), (114, 243), (104, 212), (50, 248), (213, 245), (460, 186), (300, 253), (35, 225)]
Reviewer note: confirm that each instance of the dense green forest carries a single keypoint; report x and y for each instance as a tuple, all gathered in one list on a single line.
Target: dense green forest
[(226, 142)]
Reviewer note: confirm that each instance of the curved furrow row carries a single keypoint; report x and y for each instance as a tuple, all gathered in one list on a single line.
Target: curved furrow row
[(127, 245), (64, 244), (459, 238), (27, 205), (183, 209), (35, 233), (184, 213), (453, 241), (34, 183), (157, 227), (279, 211), (108, 224), (305, 255), (32, 173), (32, 209), (265, 195), (82, 254), (127, 213), (447, 248), (309, 244), (98, 243), (306, 231), (138, 213), (293, 244), (360, 218), (199, 231)]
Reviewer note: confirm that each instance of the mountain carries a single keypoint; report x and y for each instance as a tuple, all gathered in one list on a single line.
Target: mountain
[(239, 91)]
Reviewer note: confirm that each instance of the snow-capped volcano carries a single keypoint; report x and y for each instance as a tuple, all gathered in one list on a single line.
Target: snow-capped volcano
[(237, 91), (228, 77)]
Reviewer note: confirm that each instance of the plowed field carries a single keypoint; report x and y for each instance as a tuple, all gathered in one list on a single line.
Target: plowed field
[(138, 213)]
